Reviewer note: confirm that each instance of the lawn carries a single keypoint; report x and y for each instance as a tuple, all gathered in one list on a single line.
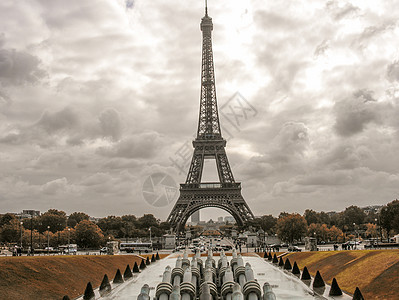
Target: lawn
[(375, 272), (52, 277)]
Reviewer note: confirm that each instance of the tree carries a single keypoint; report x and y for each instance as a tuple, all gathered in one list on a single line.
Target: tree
[(389, 216), (6, 219), (311, 217), (291, 227), (335, 234), (353, 214), (147, 221), (11, 231), (268, 223), (371, 230), (77, 217), (88, 234), (54, 218)]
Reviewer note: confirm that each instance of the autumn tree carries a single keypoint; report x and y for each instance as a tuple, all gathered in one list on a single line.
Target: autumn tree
[(371, 230), (291, 227), (11, 231), (335, 234), (88, 234)]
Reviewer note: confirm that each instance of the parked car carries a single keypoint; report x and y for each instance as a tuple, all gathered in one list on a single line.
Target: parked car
[(294, 249), (104, 250)]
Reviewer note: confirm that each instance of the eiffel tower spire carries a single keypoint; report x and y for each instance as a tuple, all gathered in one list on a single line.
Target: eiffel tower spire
[(209, 144), (208, 124)]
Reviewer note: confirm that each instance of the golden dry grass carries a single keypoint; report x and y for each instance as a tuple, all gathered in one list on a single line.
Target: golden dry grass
[(375, 272), (52, 277)]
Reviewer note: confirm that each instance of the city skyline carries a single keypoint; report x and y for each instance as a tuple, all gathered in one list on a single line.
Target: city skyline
[(94, 99)]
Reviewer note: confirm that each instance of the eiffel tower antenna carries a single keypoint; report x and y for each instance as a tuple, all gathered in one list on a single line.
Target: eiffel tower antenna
[(209, 144)]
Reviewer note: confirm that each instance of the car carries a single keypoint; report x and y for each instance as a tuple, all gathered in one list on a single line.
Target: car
[(104, 250), (275, 246), (49, 248), (294, 249)]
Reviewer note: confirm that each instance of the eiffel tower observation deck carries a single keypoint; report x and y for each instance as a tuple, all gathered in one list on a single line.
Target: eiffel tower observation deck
[(209, 144)]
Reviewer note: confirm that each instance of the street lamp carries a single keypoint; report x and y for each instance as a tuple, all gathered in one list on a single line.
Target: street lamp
[(31, 234), (69, 236), (354, 228), (48, 240), (150, 233), (21, 234)]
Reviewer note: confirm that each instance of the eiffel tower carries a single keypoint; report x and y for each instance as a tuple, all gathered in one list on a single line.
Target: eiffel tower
[(209, 144)]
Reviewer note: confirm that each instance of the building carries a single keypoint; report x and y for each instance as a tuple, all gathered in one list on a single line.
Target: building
[(27, 213), (195, 217)]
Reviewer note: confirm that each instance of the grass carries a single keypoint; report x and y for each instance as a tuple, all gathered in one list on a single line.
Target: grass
[(52, 277), (375, 272)]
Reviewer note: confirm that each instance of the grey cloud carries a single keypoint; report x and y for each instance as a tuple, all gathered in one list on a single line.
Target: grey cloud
[(66, 118), (18, 67), (293, 138), (144, 145), (5, 100), (342, 11), (110, 123), (353, 114), (129, 4), (322, 48), (393, 71), (55, 186), (346, 156)]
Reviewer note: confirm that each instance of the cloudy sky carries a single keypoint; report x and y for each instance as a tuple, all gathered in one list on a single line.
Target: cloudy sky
[(95, 96)]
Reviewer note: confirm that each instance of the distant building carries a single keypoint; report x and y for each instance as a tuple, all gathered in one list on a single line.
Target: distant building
[(28, 213), (94, 219), (195, 217), (372, 209), (229, 219), (35, 213)]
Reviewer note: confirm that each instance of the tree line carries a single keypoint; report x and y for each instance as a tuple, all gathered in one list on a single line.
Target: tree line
[(334, 227), (55, 227)]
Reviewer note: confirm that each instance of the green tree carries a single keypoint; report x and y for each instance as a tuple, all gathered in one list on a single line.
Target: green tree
[(77, 217), (6, 219), (147, 221), (268, 223), (291, 227), (389, 216), (88, 234), (54, 218), (311, 217), (352, 214), (112, 225)]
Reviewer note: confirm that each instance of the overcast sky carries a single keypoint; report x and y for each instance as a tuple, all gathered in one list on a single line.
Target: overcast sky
[(95, 96)]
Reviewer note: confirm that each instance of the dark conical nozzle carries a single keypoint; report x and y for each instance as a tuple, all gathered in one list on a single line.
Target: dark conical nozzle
[(357, 295), (335, 289)]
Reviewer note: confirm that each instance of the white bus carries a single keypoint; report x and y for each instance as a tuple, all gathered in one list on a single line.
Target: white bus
[(136, 246), (69, 249)]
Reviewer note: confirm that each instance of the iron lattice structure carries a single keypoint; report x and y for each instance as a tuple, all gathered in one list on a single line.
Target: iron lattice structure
[(209, 144)]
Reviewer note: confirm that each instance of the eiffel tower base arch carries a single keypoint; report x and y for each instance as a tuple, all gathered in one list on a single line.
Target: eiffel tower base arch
[(195, 197)]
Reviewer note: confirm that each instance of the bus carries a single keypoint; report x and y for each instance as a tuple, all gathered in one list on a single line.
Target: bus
[(130, 247), (68, 249)]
